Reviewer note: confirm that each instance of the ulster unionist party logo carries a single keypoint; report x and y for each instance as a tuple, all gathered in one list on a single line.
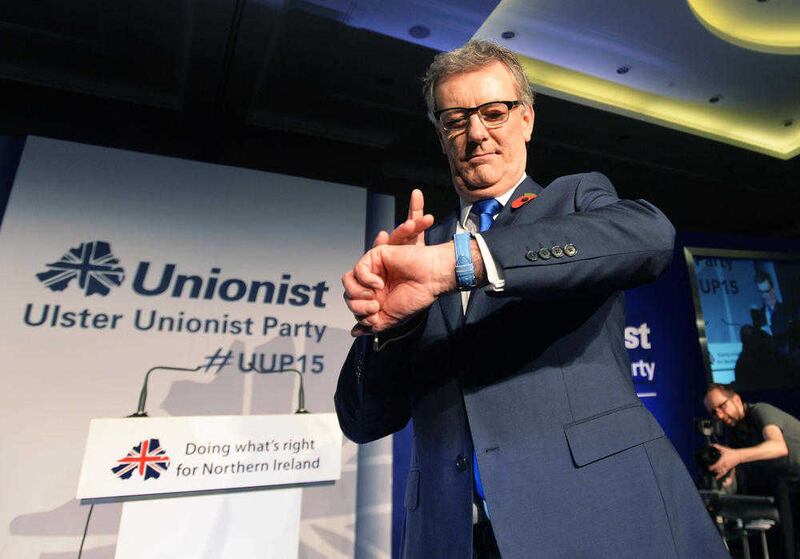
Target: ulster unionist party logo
[(147, 459), (96, 269)]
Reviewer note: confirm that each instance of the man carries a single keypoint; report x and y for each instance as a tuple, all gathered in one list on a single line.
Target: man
[(766, 439), (773, 317), (525, 369)]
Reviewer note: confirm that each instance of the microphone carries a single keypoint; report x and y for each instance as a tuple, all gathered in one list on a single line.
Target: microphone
[(301, 395), (143, 394)]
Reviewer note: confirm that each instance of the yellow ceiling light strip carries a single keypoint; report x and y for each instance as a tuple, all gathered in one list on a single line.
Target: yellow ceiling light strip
[(713, 122), (772, 27)]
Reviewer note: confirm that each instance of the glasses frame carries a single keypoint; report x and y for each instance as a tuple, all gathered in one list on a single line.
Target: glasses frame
[(721, 406), (511, 105)]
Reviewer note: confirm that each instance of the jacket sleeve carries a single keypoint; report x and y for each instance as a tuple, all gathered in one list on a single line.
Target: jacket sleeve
[(372, 396), (602, 243)]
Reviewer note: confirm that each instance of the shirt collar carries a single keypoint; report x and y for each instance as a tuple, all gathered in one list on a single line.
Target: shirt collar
[(465, 206)]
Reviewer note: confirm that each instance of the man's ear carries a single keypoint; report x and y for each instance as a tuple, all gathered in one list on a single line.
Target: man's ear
[(528, 116)]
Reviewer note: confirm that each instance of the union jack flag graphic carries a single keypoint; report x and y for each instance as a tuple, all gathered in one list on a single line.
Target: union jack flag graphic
[(147, 458), (92, 263)]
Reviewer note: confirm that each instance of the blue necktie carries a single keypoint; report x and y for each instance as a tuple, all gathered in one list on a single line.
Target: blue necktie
[(485, 210)]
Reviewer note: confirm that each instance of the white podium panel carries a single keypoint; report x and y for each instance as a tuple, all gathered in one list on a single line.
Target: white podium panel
[(256, 524), (135, 457), (173, 470)]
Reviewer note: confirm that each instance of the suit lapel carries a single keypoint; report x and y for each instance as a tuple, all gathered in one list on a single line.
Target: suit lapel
[(451, 302), (509, 215)]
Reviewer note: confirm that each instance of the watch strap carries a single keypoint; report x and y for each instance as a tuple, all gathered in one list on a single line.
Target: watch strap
[(465, 270)]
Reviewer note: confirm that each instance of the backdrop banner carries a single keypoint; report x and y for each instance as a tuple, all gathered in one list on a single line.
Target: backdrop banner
[(114, 262)]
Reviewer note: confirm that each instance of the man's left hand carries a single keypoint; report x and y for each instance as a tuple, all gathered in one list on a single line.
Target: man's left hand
[(728, 460)]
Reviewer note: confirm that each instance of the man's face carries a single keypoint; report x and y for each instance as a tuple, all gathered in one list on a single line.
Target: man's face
[(484, 162), (767, 293), (729, 410)]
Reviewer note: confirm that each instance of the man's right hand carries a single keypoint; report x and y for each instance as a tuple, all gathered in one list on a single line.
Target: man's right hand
[(360, 298), (403, 280), (412, 230)]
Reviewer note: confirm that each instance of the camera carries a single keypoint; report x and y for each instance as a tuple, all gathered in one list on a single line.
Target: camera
[(706, 455)]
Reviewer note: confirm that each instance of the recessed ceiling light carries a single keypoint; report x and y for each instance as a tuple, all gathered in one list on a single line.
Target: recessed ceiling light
[(715, 98), (419, 31), (788, 122), (624, 69), (508, 35)]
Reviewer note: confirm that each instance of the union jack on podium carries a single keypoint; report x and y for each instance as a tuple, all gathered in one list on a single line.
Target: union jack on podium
[(147, 458)]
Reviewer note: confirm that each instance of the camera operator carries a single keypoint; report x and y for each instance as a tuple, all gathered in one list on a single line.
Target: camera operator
[(763, 440)]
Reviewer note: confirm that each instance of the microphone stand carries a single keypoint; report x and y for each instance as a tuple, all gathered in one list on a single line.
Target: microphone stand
[(143, 394), (301, 393)]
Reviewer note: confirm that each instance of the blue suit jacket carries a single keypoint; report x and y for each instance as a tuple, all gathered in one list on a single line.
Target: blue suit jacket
[(537, 380)]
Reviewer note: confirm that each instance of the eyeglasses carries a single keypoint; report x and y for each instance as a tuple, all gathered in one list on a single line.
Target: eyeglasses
[(492, 115), (721, 406)]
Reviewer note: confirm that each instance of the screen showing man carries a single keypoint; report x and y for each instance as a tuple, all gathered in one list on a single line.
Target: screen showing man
[(748, 310)]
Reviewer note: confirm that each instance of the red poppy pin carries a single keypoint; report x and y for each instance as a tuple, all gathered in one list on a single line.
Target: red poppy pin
[(522, 200)]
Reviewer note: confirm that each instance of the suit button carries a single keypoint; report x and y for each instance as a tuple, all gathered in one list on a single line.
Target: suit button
[(544, 253), (557, 251), (461, 463), (570, 250), (530, 255)]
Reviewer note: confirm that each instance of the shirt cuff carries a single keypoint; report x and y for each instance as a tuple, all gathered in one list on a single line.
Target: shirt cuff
[(494, 275)]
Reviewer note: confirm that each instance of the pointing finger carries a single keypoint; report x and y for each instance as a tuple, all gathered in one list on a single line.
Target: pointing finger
[(416, 205)]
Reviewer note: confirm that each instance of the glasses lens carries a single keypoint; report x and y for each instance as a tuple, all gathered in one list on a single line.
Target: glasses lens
[(454, 119), (494, 113), (491, 114)]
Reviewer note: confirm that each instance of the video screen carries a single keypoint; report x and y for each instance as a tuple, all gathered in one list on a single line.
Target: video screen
[(748, 316)]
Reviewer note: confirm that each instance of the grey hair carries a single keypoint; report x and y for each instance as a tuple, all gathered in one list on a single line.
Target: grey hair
[(473, 55)]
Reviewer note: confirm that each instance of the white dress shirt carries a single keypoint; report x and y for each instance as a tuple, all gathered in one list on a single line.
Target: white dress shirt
[(469, 223)]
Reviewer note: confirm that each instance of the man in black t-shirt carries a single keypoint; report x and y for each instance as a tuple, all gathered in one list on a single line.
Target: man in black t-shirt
[(764, 439)]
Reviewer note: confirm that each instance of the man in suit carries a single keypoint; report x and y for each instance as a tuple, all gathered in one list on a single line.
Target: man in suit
[(774, 316), (501, 334)]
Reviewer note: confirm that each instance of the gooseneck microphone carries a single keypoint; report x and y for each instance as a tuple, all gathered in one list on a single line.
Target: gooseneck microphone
[(143, 394), (301, 395)]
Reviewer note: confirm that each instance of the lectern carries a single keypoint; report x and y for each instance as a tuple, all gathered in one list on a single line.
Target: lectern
[(209, 486)]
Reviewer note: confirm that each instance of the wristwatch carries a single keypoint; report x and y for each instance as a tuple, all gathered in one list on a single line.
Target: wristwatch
[(465, 271)]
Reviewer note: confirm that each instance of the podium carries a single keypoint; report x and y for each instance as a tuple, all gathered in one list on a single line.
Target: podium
[(209, 486)]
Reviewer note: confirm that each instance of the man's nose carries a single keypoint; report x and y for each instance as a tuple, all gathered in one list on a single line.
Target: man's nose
[(476, 130)]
